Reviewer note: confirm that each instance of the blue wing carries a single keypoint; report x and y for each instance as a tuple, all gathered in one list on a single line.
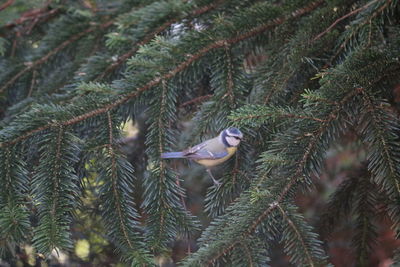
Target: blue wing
[(172, 155), (195, 153), (200, 152)]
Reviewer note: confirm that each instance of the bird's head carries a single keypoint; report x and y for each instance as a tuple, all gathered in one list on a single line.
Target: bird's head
[(231, 136)]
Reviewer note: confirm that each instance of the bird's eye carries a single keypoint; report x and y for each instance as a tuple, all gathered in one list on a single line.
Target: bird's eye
[(237, 138)]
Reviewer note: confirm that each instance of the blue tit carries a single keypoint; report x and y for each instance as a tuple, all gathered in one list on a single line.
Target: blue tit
[(211, 152)]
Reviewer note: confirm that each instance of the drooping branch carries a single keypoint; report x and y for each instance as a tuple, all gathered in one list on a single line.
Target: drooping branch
[(298, 235), (387, 153), (114, 178), (56, 181)]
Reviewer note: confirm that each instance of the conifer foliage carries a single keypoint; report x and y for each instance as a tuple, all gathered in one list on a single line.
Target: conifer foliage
[(300, 78)]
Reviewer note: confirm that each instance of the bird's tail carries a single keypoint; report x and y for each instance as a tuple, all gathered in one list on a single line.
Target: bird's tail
[(172, 155)]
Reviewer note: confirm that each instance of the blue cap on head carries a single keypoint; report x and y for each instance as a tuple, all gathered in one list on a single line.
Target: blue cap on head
[(232, 131)]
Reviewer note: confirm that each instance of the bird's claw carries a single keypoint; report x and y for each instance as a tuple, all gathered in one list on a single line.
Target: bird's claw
[(216, 183)]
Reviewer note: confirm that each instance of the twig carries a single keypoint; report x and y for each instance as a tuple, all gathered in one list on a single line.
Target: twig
[(6, 4), (34, 73), (179, 185), (34, 14), (195, 100), (229, 79), (342, 18), (14, 44)]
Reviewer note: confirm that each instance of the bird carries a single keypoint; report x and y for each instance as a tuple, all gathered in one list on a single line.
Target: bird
[(211, 152)]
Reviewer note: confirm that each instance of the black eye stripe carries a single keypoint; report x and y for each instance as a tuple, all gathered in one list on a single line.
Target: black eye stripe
[(237, 138)]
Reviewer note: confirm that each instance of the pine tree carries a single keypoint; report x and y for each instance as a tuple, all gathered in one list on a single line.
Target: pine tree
[(300, 78)]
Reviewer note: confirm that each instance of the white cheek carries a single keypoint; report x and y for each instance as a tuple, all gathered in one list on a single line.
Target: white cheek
[(232, 141)]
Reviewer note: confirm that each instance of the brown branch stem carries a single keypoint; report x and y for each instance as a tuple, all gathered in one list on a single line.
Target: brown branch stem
[(195, 100), (6, 4), (35, 15)]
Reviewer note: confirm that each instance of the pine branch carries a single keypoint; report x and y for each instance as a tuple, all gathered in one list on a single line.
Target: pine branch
[(160, 63), (396, 257), (356, 197), (114, 178), (230, 84), (343, 18), (55, 190), (14, 216), (15, 227), (121, 219), (232, 184), (340, 203), (365, 236), (356, 26), (301, 243), (172, 73), (393, 210), (229, 77), (298, 235), (277, 80), (377, 130), (36, 63), (256, 115), (147, 38), (292, 182), (250, 253), (33, 15), (313, 98), (167, 216)]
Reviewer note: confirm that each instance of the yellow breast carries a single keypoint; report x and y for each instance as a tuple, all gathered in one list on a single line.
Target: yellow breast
[(214, 162)]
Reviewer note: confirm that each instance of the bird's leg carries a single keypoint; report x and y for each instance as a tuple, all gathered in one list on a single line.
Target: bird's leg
[(212, 177)]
